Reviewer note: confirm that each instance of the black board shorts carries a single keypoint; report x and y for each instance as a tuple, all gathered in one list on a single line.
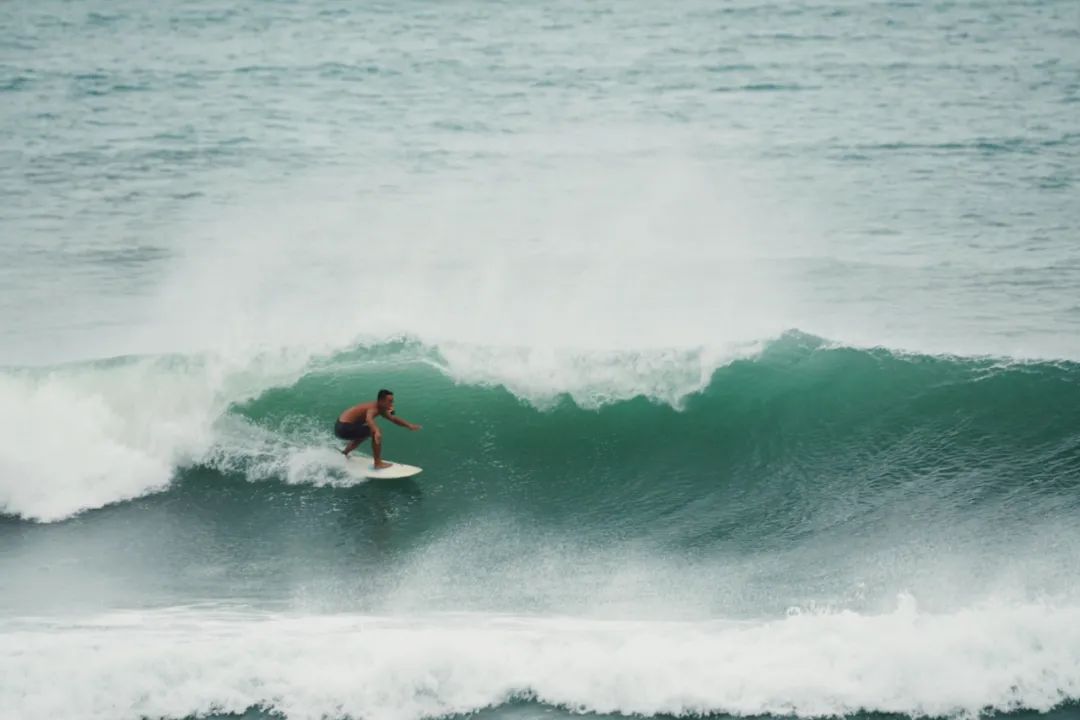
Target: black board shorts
[(352, 431)]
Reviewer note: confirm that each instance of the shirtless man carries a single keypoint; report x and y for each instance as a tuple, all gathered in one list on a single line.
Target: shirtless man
[(357, 424)]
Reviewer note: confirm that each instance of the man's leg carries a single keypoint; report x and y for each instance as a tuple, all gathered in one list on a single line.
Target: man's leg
[(352, 446), (376, 446)]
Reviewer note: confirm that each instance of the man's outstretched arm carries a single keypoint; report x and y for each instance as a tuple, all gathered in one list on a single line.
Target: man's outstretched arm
[(403, 423)]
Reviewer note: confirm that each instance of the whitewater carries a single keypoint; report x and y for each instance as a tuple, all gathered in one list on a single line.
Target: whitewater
[(744, 336)]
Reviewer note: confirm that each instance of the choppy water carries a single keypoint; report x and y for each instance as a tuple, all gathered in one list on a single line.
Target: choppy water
[(744, 335)]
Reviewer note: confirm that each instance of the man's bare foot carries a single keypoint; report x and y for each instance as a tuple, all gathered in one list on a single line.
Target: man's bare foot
[(382, 464), (343, 453)]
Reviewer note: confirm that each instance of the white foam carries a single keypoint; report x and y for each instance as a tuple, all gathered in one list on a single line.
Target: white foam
[(184, 663), (592, 379), (571, 270), (80, 437)]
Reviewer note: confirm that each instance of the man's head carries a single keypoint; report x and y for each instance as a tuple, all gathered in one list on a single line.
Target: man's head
[(385, 401)]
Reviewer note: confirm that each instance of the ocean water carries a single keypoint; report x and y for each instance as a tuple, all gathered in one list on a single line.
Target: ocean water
[(745, 337)]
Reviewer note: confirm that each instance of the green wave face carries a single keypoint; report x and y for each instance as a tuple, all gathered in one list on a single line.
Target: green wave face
[(789, 441)]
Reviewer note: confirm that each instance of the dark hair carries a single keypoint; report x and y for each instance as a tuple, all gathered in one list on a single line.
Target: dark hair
[(383, 393)]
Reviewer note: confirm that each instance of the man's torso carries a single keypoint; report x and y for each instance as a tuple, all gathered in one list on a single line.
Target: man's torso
[(358, 413)]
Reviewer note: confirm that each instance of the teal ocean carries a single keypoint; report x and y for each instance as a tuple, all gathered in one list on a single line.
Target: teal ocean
[(744, 337)]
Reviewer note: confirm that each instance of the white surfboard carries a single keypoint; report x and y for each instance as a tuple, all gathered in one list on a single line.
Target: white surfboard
[(364, 466)]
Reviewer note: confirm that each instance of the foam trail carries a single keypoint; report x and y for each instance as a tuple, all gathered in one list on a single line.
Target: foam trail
[(185, 663)]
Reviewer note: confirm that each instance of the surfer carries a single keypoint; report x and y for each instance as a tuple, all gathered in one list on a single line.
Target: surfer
[(357, 424)]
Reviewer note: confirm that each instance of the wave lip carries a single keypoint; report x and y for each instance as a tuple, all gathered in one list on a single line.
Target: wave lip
[(184, 663)]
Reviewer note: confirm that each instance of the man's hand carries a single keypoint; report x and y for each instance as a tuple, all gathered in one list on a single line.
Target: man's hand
[(414, 427)]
